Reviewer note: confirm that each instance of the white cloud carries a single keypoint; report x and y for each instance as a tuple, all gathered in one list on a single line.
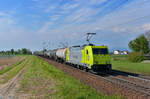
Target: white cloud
[(12, 33), (69, 6), (146, 26), (81, 15), (78, 18), (116, 29), (6, 21), (3, 14), (49, 9), (73, 24), (90, 2), (45, 28), (55, 17)]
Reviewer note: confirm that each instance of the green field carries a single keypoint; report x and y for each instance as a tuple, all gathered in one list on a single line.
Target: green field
[(12, 71), (120, 62), (45, 80), (36, 78), (10, 67)]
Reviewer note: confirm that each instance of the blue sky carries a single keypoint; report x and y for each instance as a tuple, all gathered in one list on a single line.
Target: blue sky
[(29, 23)]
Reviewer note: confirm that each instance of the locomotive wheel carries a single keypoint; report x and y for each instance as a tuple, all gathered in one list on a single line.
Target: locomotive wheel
[(87, 70), (81, 67)]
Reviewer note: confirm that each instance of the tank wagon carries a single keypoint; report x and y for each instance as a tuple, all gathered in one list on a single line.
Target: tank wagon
[(61, 55), (89, 57), (52, 54), (39, 53), (48, 53)]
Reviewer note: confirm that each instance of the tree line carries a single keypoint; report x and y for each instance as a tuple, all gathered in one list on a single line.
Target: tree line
[(22, 51)]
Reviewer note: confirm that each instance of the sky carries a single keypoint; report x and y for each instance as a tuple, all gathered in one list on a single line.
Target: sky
[(37, 24)]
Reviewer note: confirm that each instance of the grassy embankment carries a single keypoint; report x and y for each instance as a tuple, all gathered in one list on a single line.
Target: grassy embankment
[(43, 79), (10, 71), (120, 62)]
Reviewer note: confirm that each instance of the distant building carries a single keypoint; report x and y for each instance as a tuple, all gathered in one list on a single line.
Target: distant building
[(125, 52), (147, 56), (118, 52)]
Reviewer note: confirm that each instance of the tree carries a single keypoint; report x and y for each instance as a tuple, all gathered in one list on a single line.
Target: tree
[(140, 44), (7, 52), (25, 51), (20, 51), (12, 51)]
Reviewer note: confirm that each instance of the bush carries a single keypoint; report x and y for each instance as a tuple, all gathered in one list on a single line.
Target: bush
[(115, 59), (136, 57)]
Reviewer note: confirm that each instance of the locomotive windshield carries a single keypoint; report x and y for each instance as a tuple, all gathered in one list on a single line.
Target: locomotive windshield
[(100, 51)]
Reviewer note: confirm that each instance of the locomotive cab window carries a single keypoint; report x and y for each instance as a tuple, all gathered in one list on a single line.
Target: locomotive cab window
[(100, 51), (86, 51)]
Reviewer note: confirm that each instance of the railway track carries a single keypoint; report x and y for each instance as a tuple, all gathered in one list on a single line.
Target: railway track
[(137, 89), (146, 78), (137, 77), (130, 85), (134, 75)]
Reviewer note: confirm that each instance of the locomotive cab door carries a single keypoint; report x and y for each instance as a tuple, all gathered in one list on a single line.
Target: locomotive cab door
[(87, 58)]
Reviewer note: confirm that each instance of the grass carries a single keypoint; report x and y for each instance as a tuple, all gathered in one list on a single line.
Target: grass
[(123, 64), (10, 67), (142, 68), (13, 72), (119, 57), (45, 80)]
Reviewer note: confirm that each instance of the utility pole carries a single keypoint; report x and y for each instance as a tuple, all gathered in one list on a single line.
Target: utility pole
[(89, 36)]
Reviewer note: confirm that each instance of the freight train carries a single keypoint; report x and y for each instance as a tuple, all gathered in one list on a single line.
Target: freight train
[(88, 57)]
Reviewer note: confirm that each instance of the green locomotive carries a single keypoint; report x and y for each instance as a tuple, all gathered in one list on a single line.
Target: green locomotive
[(89, 57)]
